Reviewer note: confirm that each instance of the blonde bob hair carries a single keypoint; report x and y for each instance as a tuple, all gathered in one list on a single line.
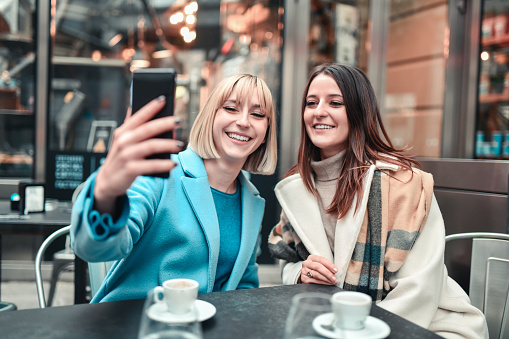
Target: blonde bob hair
[(264, 159)]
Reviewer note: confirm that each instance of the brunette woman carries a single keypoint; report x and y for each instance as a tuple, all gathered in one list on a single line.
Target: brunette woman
[(357, 213)]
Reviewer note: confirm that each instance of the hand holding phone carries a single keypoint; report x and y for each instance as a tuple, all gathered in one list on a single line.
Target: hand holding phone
[(148, 84)]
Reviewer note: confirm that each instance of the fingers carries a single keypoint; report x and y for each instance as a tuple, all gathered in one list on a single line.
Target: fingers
[(125, 136), (129, 113), (315, 277), (145, 113), (325, 262), (151, 146), (145, 167), (319, 270), (317, 274)]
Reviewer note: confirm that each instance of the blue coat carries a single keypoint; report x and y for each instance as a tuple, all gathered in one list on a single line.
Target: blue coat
[(172, 231)]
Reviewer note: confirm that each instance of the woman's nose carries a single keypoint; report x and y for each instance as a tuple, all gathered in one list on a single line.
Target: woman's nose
[(320, 110), (243, 120)]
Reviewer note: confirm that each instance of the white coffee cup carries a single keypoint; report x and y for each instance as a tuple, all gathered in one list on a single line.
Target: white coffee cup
[(178, 294), (351, 309)]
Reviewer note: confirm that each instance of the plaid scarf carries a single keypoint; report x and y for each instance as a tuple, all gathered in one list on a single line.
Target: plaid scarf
[(397, 209)]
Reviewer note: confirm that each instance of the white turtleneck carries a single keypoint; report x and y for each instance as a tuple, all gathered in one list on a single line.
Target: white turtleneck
[(326, 181)]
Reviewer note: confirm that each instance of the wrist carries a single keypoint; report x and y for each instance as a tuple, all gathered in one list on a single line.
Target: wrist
[(104, 202)]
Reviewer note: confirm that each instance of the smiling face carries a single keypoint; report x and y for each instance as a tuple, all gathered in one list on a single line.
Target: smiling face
[(325, 116), (239, 128)]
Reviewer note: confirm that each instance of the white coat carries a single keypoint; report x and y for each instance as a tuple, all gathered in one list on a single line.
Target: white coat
[(421, 290)]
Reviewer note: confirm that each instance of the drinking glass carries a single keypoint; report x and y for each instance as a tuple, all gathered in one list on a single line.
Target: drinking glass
[(158, 323), (304, 309)]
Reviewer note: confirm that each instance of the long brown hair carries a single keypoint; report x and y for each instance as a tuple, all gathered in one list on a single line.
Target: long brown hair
[(365, 142)]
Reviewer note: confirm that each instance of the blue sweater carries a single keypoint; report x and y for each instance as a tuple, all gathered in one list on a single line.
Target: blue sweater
[(228, 208), (167, 228)]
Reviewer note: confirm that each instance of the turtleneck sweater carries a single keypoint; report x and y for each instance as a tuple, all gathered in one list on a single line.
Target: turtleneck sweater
[(326, 174)]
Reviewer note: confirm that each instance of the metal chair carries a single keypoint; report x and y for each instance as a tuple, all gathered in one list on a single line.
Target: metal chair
[(489, 283), (97, 271), (6, 306), (38, 260), (63, 259)]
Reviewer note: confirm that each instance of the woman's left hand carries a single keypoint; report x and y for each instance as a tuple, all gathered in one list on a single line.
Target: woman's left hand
[(318, 270)]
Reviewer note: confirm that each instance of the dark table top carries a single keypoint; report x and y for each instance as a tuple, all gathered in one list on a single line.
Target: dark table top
[(255, 313), (11, 222)]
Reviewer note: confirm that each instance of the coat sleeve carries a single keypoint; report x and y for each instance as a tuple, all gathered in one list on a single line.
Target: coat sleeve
[(290, 272), (282, 245), (421, 290), (112, 240), (416, 286)]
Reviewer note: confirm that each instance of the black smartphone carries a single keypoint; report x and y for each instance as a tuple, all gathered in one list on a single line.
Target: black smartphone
[(148, 84)]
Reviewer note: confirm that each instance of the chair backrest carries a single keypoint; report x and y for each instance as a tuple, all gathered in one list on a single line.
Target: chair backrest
[(489, 273), (38, 261), (97, 271)]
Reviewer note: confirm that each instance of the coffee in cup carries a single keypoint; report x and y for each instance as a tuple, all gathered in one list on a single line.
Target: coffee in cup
[(351, 309), (178, 294)]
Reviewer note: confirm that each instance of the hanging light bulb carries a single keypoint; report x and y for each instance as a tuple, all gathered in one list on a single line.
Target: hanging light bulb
[(190, 19), (139, 60)]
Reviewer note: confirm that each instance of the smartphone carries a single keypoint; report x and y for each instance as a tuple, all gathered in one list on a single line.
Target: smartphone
[(148, 84)]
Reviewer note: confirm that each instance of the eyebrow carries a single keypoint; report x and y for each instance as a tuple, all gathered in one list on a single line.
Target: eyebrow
[(235, 102), (328, 95)]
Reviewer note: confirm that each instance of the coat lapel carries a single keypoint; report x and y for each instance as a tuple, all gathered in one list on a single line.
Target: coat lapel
[(302, 210), (197, 190), (252, 215)]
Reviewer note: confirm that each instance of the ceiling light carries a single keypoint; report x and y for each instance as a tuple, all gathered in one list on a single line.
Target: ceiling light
[(161, 52), (115, 40), (190, 19), (188, 10)]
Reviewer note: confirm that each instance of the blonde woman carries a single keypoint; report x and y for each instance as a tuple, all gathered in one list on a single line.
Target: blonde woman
[(203, 222)]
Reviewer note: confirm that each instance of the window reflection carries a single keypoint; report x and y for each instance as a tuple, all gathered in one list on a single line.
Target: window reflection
[(415, 75), (17, 83)]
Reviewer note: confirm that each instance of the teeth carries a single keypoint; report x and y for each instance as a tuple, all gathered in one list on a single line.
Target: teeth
[(323, 127), (238, 137)]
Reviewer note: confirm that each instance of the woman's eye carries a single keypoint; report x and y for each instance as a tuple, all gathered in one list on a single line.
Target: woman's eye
[(336, 103), (310, 103), (230, 109), (258, 115)]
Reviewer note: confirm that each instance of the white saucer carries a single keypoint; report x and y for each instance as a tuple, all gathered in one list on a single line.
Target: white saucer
[(159, 312), (373, 329)]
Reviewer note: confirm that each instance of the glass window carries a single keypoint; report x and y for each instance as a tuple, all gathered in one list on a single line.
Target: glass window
[(17, 88), (492, 130), (339, 33), (417, 51), (98, 44)]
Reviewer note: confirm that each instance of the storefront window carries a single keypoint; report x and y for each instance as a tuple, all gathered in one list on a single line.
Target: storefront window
[(97, 45), (492, 131), (339, 33), (417, 51), (251, 40), (17, 88)]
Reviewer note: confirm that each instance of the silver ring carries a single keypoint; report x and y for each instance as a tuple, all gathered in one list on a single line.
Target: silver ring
[(309, 274)]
